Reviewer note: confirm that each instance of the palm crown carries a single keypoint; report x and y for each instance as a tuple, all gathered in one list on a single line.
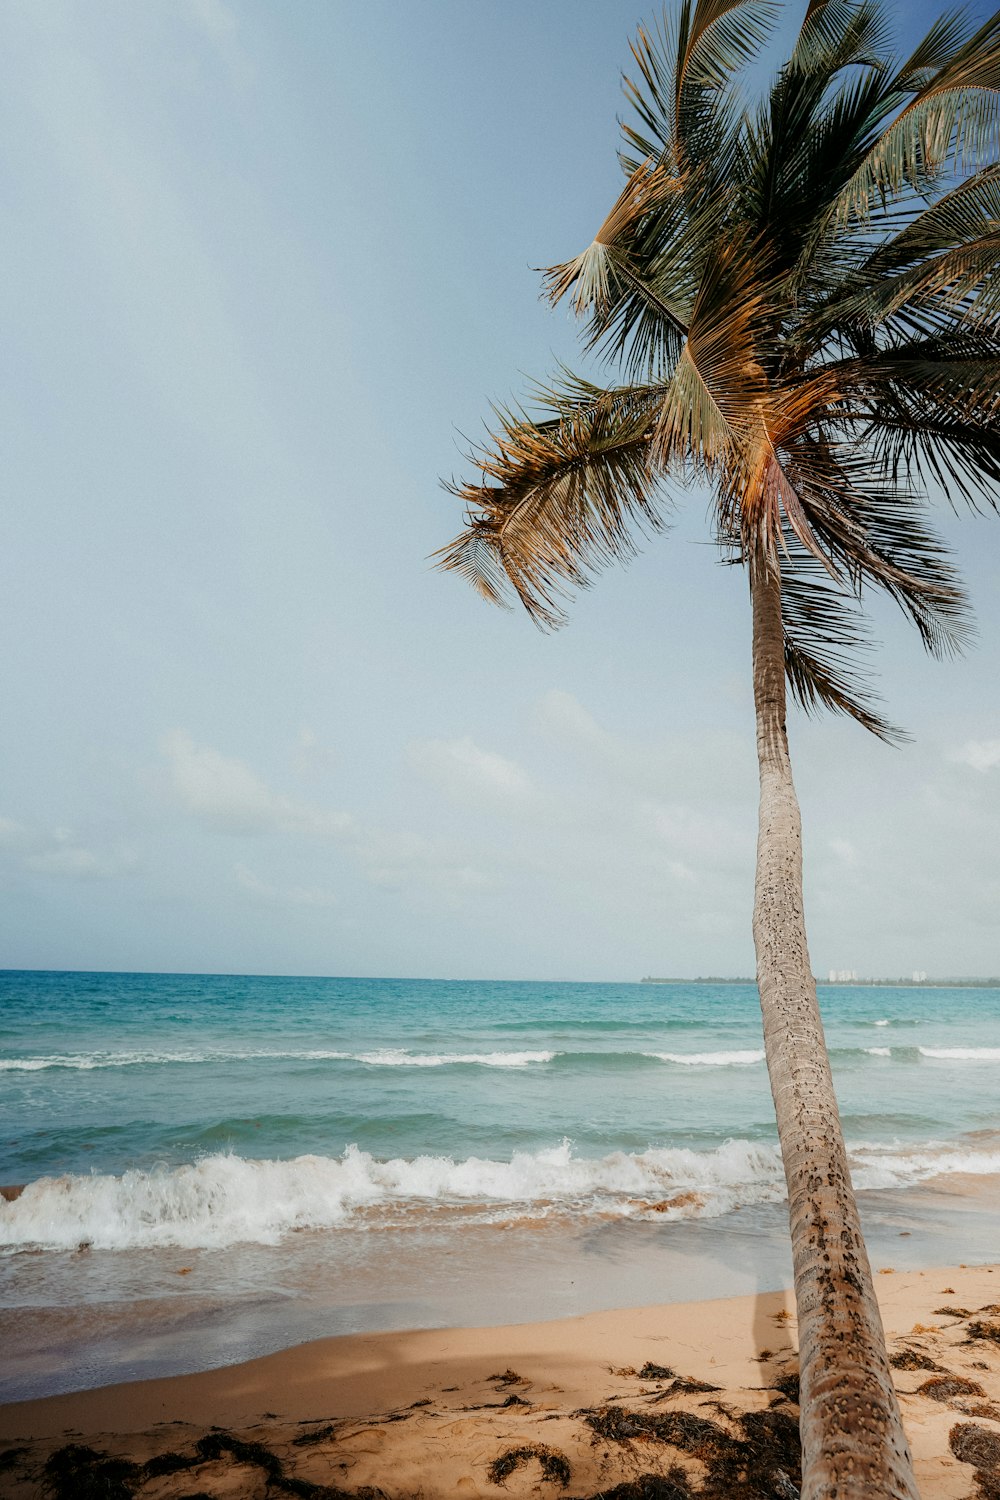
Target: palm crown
[(803, 299)]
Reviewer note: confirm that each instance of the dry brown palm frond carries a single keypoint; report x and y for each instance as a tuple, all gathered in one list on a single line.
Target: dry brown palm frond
[(605, 261)]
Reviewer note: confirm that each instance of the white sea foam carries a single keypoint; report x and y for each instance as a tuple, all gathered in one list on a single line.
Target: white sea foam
[(224, 1199), (881, 1023), (84, 1061), (963, 1054), (711, 1059), (879, 1051), (397, 1057), (894, 1167), (387, 1057)]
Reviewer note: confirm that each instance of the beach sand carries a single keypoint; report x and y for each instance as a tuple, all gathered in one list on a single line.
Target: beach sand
[(700, 1395)]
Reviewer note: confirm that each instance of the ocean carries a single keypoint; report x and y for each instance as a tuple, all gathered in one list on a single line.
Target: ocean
[(215, 1165)]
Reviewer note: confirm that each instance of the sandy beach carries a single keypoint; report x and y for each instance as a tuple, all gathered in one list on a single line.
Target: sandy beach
[(693, 1399)]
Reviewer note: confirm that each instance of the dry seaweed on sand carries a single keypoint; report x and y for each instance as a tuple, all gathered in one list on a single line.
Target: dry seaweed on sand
[(952, 1312), (943, 1387), (788, 1384), (10, 1457), (764, 1462), (555, 1465), (318, 1435), (76, 1472), (218, 1443), (215, 1444), (981, 1329), (169, 1463), (618, 1424), (980, 1447), (686, 1385), (497, 1405), (509, 1377), (915, 1359), (671, 1486), (650, 1371)]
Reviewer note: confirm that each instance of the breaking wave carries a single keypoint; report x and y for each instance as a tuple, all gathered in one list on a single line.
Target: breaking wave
[(223, 1199)]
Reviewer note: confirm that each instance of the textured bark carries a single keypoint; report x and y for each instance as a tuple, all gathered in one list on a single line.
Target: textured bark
[(853, 1445)]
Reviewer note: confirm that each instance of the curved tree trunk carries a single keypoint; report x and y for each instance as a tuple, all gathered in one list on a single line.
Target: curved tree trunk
[(853, 1445)]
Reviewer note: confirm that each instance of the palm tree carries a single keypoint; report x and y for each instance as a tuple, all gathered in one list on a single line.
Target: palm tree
[(803, 297)]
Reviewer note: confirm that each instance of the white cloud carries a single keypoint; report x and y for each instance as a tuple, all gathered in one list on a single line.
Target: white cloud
[(225, 794), (218, 25), (58, 852), (981, 755), (398, 859), (844, 850), (718, 764), (463, 769), (312, 758), (70, 860), (296, 895)]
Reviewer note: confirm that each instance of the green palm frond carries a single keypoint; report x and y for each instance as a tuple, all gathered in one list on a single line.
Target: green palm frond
[(827, 641), (681, 60), (805, 306), (954, 118)]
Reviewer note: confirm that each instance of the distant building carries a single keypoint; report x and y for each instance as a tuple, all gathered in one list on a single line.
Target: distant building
[(843, 976), (919, 975)]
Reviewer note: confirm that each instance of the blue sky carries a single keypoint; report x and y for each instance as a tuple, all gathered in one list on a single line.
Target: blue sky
[(266, 266)]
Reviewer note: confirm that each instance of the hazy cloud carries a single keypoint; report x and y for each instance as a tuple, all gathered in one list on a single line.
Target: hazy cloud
[(58, 852), (981, 755), (464, 770), (225, 794), (272, 895)]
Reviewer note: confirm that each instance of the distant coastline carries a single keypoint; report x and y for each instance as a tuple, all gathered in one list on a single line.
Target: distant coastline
[(857, 984)]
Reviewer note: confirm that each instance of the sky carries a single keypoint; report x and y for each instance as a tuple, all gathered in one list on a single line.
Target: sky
[(263, 271)]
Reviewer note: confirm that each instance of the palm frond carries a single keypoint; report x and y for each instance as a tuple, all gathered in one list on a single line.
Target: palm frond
[(562, 498), (598, 273), (808, 322), (706, 44), (827, 640), (953, 118)]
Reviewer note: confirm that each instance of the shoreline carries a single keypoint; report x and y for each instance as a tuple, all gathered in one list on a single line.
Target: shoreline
[(427, 1412), (95, 1318)]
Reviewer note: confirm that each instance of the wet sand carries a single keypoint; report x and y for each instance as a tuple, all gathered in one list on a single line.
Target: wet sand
[(698, 1396)]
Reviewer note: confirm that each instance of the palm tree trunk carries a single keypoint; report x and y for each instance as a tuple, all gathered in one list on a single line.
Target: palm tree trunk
[(853, 1444)]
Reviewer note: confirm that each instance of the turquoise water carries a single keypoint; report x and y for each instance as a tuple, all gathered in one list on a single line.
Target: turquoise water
[(151, 1110)]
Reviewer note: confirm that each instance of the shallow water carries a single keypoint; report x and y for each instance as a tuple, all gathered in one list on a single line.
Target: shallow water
[(274, 1153)]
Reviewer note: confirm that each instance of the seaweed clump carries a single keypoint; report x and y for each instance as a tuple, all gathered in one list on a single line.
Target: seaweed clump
[(650, 1371), (980, 1447), (982, 1329), (168, 1463), (317, 1435), (687, 1385), (762, 1463), (788, 1385), (77, 1472), (555, 1465), (915, 1359), (671, 1486), (681, 1429), (943, 1387), (214, 1444)]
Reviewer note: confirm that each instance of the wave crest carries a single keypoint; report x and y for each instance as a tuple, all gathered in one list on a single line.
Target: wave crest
[(223, 1199)]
